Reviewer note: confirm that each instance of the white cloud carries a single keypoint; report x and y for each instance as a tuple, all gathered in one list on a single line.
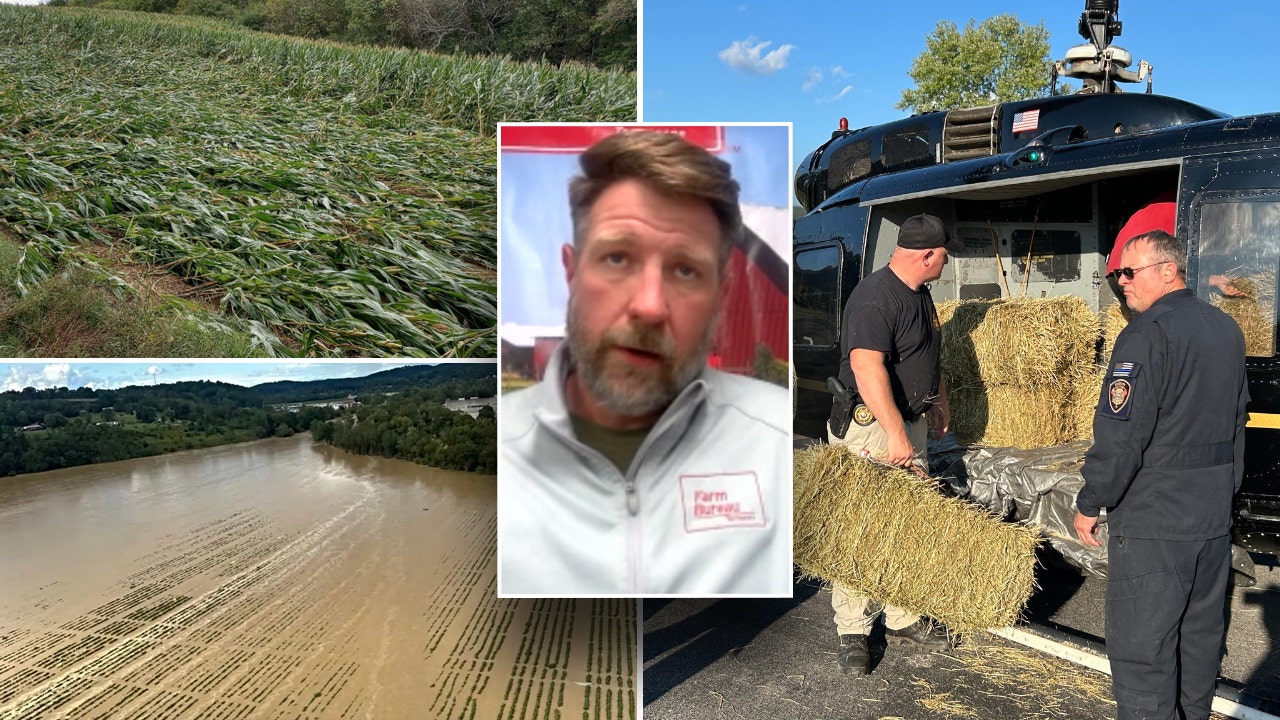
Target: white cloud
[(847, 89), (39, 377), (839, 71), (745, 55), (813, 77)]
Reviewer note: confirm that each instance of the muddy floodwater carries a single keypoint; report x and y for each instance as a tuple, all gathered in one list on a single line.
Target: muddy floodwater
[(284, 579)]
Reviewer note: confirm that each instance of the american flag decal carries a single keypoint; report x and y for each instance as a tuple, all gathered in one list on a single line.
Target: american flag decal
[(1026, 120)]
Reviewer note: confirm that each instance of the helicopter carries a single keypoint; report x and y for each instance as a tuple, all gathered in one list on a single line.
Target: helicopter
[(1062, 173)]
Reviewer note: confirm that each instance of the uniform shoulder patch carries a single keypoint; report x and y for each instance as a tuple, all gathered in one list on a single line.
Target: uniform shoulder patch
[(1125, 370), (1117, 391)]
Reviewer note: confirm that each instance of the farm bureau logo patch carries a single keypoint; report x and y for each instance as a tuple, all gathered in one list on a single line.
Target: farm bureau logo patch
[(721, 500)]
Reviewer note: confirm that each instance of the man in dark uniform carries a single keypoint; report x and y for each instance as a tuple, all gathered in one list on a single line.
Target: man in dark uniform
[(891, 343), (1166, 460)]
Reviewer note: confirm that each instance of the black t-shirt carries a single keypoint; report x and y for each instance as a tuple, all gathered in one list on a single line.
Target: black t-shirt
[(884, 314)]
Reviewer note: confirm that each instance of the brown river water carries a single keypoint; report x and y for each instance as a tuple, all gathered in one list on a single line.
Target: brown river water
[(284, 579)]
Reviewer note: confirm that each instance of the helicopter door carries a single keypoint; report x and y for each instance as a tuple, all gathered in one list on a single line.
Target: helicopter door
[(1229, 209)]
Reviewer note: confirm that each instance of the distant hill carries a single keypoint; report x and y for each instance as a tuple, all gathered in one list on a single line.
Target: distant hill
[(413, 376)]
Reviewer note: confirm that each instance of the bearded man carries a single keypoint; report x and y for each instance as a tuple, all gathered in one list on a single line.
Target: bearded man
[(633, 468)]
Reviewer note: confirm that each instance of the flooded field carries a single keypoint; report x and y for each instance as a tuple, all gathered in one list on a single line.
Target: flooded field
[(284, 579)]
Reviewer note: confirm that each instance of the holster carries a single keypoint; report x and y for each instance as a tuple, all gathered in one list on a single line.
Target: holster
[(842, 404)]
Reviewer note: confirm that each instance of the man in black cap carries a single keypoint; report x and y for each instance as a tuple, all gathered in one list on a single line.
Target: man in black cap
[(890, 343)]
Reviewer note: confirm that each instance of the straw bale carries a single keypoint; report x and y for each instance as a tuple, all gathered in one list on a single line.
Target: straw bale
[(894, 537), (1087, 390), (1258, 329), (1113, 321), (958, 320), (1004, 416), (1035, 342)]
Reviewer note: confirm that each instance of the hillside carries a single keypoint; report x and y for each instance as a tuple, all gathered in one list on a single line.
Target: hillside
[(180, 187), (478, 378)]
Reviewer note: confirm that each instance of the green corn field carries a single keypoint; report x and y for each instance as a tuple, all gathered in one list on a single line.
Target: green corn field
[(333, 199)]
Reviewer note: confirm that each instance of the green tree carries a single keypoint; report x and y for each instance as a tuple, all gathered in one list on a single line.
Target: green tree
[(997, 60)]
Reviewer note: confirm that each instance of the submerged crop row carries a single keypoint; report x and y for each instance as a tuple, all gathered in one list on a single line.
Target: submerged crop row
[(339, 200)]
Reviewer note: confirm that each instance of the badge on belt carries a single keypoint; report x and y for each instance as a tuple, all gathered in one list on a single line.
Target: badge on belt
[(1118, 389), (862, 415)]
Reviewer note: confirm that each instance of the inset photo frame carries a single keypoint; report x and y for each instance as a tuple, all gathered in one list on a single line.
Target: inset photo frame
[(644, 419)]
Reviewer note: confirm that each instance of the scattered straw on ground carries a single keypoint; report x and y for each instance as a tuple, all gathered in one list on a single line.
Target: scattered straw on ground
[(1025, 683), (942, 703), (888, 534)]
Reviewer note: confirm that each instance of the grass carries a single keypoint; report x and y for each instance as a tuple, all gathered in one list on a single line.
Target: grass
[(75, 315), (334, 200)]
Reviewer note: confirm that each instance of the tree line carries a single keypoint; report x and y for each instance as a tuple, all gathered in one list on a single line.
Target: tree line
[(58, 428), (83, 436), (414, 426), (601, 33)]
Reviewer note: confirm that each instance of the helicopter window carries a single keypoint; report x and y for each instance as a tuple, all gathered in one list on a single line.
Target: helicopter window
[(908, 147), (849, 163), (1238, 254), (817, 296)]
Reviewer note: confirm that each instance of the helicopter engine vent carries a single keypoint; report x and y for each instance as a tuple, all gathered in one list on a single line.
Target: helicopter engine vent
[(971, 133)]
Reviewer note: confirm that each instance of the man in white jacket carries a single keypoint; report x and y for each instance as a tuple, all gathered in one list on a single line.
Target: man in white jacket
[(633, 468)]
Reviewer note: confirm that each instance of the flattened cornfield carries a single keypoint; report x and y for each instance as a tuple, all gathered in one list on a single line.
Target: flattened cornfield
[(282, 579), (323, 199)]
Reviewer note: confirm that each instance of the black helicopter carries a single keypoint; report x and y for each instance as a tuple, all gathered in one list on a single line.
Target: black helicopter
[(1063, 172)]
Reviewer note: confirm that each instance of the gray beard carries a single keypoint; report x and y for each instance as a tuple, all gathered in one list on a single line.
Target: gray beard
[(631, 391)]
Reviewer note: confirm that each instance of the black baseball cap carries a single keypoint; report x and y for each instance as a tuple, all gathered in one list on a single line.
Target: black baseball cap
[(925, 232)]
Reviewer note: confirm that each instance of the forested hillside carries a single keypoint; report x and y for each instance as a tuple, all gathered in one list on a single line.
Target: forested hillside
[(599, 32), (55, 428), (414, 426)]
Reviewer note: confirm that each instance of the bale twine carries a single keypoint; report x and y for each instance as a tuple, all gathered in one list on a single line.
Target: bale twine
[(887, 534)]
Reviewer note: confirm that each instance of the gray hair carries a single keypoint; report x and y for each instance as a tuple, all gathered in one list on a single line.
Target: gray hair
[(1164, 248)]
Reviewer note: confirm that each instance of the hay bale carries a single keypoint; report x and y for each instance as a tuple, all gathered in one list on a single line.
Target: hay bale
[(1257, 325), (1088, 388), (1014, 368), (1035, 342), (888, 534), (1002, 415), (1113, 321), (959, 319)]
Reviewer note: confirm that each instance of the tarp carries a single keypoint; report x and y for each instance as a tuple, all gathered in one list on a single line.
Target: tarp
[(1038, 487)]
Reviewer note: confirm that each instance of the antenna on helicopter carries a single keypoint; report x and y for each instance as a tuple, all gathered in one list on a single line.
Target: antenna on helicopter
[(1100, 65)]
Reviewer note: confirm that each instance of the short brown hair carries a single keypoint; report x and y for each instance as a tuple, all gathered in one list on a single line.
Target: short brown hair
[(667, 163), (1164, 248)]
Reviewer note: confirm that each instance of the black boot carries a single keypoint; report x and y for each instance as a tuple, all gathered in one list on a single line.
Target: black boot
[(854, 655), (924, 634)]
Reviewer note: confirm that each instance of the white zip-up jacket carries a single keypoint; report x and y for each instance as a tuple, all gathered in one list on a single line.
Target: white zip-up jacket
[(705, 508)]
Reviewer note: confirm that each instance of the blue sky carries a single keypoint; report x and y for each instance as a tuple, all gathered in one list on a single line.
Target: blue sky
[(813, 64), (109, 375)]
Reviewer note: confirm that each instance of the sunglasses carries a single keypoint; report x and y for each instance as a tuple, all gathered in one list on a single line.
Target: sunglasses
[(1130, 272)]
